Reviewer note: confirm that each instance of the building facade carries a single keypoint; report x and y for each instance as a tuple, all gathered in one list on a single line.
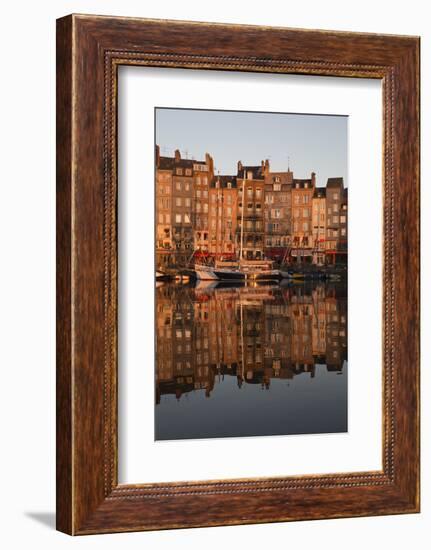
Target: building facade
[(250, 231), (319, 225), (182, 194), (203, 173), (336, 221), (223, 212), (278, 213), (280, 217), (302, 231)]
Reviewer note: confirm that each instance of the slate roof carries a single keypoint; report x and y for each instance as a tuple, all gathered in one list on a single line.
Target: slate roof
[(334, 183), (319, 193), (257, 172), (224, 180), (300, 183)]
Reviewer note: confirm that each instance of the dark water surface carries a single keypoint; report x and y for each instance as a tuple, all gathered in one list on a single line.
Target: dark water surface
[(248, 361)]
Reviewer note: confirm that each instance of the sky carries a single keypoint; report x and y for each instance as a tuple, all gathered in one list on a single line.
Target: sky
[(309, 143)]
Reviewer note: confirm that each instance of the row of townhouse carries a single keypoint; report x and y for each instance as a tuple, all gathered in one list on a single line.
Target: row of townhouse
[(256, 212)]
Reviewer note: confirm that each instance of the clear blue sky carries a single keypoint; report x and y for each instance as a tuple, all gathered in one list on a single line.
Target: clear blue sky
[(313, 143)]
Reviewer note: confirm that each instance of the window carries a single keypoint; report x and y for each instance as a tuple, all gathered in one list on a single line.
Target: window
[(329, 210), (250, 175), (335, 207), (178, 201), (258, 193), (198, 193), (206, 208), (229, 211), (249, 192), (258, 206), (250, 206), (305, 212), (178, 186), (168, 218), (296, 199), (187, 186), (305, 199), (160, 218), (275, 213), (177, 218), (229, 199), (187, 201), (188, 172), (229, 185), (305, 226), (335, 219), (295, 227), (205, 194), (198, 206), (180, 171), (335, 196), (343, 219), (277, 179), (198, 180), (343, 231)]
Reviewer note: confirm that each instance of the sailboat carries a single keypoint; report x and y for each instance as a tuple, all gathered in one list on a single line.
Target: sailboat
[(240, 270)]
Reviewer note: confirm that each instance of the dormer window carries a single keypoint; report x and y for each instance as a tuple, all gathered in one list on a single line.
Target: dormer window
[(249, 175), (179, 171), (229, 185)]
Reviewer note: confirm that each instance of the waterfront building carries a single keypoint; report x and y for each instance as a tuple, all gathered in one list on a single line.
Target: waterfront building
[(302, 232), (278, 213), (163, 229), (250, 214), (223, 217), (336, 230), (182, 192), (203, 173), (319, 225)]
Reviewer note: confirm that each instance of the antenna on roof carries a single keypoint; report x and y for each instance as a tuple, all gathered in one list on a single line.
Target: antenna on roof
[(186, 153), (288, 164)]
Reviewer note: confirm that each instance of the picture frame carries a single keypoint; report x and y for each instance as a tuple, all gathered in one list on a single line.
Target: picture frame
[(89, 51)]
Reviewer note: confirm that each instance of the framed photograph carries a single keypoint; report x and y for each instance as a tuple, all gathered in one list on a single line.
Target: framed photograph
[(237, 274)]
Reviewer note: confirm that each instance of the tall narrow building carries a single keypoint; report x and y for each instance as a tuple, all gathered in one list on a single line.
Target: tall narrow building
[(278, 213), (302, 198), (250, 218)]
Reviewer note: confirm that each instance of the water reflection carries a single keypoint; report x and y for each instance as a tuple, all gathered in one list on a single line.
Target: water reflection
[(242, 361)]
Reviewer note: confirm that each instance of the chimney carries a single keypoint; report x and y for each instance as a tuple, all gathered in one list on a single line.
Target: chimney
[(313, 179), (177, 154), (239, 166), (210, 163)]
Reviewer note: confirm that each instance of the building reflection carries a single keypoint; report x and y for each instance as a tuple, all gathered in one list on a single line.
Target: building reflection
[(253, 334)]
